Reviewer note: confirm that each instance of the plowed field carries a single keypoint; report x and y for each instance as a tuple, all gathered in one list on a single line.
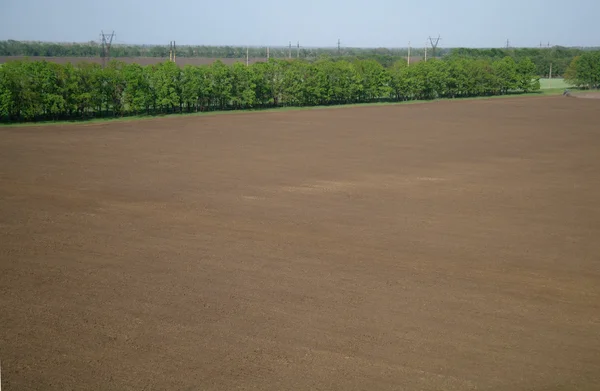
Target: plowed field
[(440, 246)]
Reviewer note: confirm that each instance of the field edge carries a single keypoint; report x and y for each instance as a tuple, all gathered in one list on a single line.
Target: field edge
[(537, 94)]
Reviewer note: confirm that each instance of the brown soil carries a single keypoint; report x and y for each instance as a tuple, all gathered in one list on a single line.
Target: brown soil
[(442, 246), (588, 95), (137, 60)]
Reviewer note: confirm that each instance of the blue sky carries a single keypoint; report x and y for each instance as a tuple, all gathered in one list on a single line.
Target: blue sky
[(366, 23)]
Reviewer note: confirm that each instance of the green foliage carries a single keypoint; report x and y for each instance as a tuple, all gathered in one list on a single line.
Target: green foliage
[(88, 95), (220, 80), (526, 79), (557, 57), (373, 80), (506, 74), (93, 49), (112, 84), (242, 86), (40, 90), (136, 94), (584, 70), (167, 85)]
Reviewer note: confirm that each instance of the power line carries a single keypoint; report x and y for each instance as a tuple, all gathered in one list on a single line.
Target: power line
[(106, 40), (434, 44)]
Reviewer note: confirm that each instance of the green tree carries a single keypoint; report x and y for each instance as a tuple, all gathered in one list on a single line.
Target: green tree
[(584, 70), (219, 78), (68, 86), (527, 80), (269, 81), (136, 94), (166, 81), (10, 91), (399, 77), (112, 80), (33, 90), (190, 80), (340, 81), (506, 74), (242, 86), (21, 91), (571, 76), (88, 96), (434, 74), (294, 84), (374, 80), (52, 83), (259, 77)]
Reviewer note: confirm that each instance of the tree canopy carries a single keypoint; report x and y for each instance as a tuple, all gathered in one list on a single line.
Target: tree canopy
[(41, 90), (558, 58), (584, 70)]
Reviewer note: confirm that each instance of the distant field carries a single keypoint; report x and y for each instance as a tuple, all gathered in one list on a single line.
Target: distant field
[(546, 84)]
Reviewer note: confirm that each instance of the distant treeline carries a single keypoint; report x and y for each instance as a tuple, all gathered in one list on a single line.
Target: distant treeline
[(556, 57), (40, 90), (559, 57), (94, 49)]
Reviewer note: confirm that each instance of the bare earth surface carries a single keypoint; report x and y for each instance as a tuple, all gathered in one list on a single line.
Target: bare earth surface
[(588, 95), (442, 246)]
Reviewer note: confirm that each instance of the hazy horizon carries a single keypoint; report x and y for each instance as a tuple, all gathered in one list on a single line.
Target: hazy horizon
[(440, 47), (316, 24)]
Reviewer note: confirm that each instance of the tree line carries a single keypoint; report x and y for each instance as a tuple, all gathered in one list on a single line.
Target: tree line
[(584, 70), (555, 59), (551, 61), (94, 49), (40, 90)]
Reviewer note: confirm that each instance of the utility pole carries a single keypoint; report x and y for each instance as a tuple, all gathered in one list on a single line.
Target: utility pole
[(434, 44), (246, 55), (290, 50), (267, 53), (298, 50), (172, 52), (339, 47), (550, 74), (408, 58), (507, 44), (425, 51), (106, 40)]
